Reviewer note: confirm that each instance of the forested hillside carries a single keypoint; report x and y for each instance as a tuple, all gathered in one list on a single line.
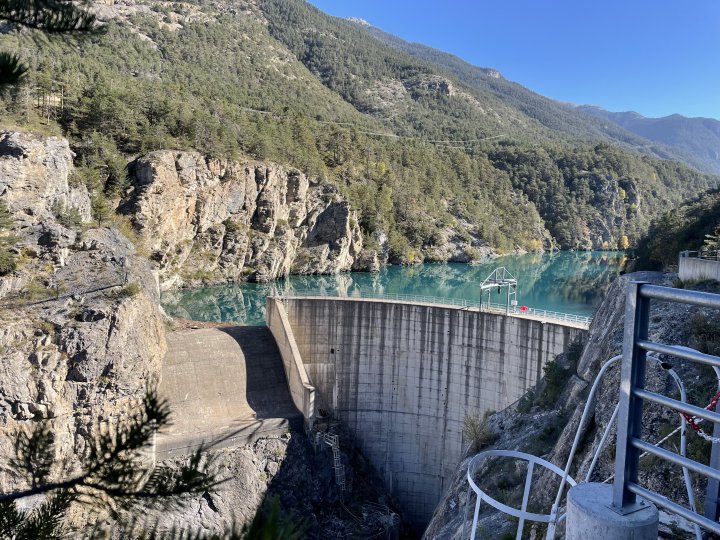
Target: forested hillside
[(684, 228), (426, 157)]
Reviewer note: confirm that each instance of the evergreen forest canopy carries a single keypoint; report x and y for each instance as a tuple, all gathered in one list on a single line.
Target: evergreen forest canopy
[(420, 153), (695, 225)]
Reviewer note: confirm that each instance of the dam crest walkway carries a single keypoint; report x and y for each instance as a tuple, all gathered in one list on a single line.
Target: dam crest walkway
[(542, 315)]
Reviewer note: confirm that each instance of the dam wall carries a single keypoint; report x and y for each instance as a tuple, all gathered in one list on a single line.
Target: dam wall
[(404, 376)]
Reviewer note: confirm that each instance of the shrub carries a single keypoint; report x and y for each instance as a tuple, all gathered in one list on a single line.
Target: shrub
[(67, 217), (705, 333), (554, 382), (8, 262), (526, 402), (477, 431), (130, 290)]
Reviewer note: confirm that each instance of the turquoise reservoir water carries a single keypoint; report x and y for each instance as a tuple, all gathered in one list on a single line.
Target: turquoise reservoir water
[(569, 282)]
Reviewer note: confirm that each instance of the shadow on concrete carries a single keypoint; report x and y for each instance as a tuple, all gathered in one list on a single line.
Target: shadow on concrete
[(266, 387), (225, 387)]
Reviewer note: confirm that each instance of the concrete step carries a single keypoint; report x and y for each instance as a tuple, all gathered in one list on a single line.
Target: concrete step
[(225, 387)]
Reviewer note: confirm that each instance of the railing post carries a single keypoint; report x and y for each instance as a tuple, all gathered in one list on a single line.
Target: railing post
[(712, 494), (632, 376)]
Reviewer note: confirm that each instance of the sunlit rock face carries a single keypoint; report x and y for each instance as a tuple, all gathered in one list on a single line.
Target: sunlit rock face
[(73, 352), (206, 220)]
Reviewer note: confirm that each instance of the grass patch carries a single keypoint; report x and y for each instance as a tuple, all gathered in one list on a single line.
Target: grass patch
[(477, 431)]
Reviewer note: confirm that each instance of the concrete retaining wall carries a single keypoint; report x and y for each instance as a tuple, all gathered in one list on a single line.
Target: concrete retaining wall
[(404, 377), (692, 268), (301, 389)]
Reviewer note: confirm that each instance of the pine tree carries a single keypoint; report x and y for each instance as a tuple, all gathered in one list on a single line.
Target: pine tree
[(49, 16), (113, 478)]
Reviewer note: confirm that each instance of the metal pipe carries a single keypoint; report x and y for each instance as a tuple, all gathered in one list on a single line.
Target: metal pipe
[(674, 508), (685, 353), (601, 445), (672, 457), (632, 377), (677, 405), (591, 396), (682, 296)]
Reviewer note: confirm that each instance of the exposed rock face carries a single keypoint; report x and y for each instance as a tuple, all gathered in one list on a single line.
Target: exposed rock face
[(300, 476), (72, 355), (207, 220), (34, 173)]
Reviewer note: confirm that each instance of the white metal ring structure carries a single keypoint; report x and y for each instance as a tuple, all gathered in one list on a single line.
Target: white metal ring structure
[(521, 513)]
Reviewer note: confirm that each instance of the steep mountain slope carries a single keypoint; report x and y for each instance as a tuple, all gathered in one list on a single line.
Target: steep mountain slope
[(697, 138), (435, 167), (691, 141)]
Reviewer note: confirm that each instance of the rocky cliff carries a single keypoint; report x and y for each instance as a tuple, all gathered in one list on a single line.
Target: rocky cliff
[(83, 335), (209, 221), (545, 421), (73, 353)]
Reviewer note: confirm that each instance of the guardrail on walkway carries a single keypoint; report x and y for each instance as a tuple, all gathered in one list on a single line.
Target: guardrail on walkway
[(706, 255), (630, 444), (456, 302)]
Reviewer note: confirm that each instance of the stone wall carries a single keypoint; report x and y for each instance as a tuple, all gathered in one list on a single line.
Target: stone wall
[(405, 376)]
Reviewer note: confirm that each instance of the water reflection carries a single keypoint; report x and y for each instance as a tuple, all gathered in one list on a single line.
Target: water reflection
[(570, 282)]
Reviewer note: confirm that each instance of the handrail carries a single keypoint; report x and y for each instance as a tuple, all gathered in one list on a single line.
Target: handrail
[(459, 302), (707, 255), (521, 513), (633, 394)]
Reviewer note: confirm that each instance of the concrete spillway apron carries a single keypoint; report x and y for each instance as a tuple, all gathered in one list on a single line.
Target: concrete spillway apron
[(225, 387)]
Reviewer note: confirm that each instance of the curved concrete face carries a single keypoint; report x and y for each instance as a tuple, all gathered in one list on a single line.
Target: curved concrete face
[(225, 386), (404, 376)]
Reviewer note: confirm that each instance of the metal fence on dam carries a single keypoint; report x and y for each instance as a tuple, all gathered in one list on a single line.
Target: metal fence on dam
[(404, 376)]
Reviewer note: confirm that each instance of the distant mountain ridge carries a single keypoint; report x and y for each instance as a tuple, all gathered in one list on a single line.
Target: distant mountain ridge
[(694, 141), (698, 137)]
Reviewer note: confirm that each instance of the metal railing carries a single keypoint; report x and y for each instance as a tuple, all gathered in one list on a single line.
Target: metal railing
[(457, 302), (633, 394), (709, 255), (521, 514)]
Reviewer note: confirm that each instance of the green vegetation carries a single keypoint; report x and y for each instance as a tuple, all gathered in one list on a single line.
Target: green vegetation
[(8, 260), (48, 16), (111, 478), (321, 94), (557, 372), (477, 431), (130, 290), (67, 217), (705, 333), (691, 226)]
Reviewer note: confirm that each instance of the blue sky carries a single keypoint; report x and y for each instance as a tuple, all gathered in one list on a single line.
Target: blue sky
[(654, 57)]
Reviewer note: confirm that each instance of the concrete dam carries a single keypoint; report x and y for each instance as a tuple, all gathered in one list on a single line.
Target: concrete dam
[(403, 377)]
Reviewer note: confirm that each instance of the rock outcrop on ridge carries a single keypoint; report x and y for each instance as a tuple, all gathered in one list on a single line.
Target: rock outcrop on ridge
[(214, 221)]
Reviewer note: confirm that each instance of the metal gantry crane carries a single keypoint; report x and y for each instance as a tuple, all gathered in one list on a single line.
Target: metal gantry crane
[(499, 279)]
